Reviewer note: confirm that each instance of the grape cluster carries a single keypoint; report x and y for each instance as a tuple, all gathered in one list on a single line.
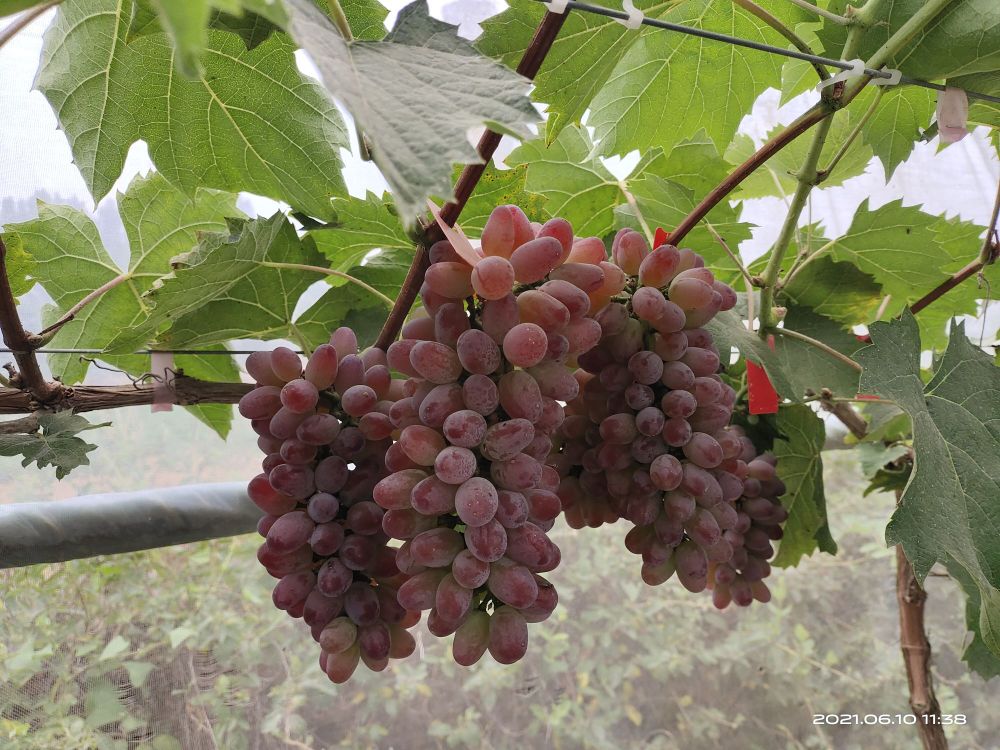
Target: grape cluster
[(539, 377), (325, 431), (649, 439), (471, 495)]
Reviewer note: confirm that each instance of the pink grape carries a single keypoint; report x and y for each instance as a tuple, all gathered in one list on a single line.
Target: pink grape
[(493, 277)]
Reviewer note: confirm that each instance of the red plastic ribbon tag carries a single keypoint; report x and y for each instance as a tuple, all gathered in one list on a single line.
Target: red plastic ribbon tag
[(762, 397), (660, 238)]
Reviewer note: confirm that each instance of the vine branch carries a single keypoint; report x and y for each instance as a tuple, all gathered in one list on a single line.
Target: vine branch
[(30, 374), (185, 391), (529, 65)]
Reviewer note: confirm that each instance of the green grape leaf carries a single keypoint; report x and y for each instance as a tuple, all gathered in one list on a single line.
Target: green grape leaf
[(257, 303), (668, 86), (186, 22), (361, 226), (213, 367), (217, 264), (799, 76), (896, 245), (500, 187), (873, 456), (800, 467), (415, 95), (836, 290), (902, 113), (250, 121), (977, 655), (365, 17), (963, 38), (71, 262), (574, 183), (951, 505), (56, 443), (777, 175), (810, 369), (729, 331), (20, 264), (582, 58), (664, 203), (645, 87)]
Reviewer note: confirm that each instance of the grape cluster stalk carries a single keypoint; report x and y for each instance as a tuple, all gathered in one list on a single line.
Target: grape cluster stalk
[(538, 377)]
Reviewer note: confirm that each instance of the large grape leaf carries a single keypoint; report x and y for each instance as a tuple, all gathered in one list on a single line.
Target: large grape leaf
[(647, 87), (668, 86), (362, 225), (900, 117), (800, 467), (951, 505), (896, 245), (56, 443), (250, 121), (415, 95), (261, 305), (70, 262), (964, 38), (226, 289)]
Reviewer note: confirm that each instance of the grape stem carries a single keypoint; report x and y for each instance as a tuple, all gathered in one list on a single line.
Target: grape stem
[(19, 23), (530, 62), (733, 256), (822, 12), (30, 376), (634, 204), (46, 334), (849, 141), (826, 349), (332, 272)]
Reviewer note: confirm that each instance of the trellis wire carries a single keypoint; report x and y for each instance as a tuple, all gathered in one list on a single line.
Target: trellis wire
[(761, 47)]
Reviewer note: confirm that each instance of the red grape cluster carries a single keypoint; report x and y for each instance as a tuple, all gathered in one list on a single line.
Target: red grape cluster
[(648, 437), (470, 493), (539, 377), (325, 432)]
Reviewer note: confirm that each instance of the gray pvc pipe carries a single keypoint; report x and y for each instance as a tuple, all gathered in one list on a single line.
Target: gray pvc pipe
[(45, 532)]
